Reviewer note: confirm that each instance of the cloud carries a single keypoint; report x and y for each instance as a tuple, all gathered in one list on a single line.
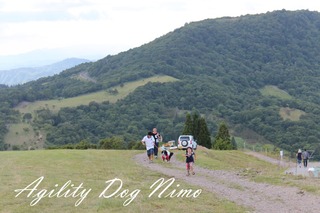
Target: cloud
[(116, 25), (57, 10)]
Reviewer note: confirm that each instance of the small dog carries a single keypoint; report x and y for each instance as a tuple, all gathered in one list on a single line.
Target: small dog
[(166, 155)]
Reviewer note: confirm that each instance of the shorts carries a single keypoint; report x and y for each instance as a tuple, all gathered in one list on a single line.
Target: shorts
[(150, 152), (188, 165)]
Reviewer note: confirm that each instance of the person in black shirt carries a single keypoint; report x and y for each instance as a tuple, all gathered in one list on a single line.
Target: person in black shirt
[(190, 158), (157, 138)]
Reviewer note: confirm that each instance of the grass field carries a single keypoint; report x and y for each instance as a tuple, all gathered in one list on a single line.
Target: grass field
[(22, 136), (276, 92), (95, 170), (98, 97), (91, 169)]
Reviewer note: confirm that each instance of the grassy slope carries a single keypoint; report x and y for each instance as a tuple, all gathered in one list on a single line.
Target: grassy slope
[(285, 112), (22, 135), (17, 136), (291, 114), (92, 168), (276, 92), (99, 97)]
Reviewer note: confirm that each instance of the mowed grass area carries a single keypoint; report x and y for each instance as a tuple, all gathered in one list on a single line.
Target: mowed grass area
[(90, 169), (276, 92), (98, 97)]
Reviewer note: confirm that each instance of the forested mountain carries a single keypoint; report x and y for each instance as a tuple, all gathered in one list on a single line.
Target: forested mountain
[(225, 67), (25, 74)]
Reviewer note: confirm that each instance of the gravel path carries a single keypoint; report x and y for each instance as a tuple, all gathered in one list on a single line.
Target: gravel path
[(258, 197)]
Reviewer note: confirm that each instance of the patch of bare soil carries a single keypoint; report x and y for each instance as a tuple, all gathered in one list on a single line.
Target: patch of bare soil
[(258, 197)]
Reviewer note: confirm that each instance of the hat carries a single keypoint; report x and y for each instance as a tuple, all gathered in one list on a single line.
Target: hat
[(299, 151)]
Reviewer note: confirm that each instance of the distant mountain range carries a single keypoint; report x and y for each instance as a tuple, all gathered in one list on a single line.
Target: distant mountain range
[(26, 74)]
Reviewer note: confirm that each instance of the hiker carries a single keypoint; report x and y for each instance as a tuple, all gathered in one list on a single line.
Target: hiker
[(190, 158), (299, 157), (148, 141), (157, 138), (305, 157)]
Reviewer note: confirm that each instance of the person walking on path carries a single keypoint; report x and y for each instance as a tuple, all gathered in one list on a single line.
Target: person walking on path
[(148, 141), (305, 156), (190, 158), (299, 157), (157, 138)]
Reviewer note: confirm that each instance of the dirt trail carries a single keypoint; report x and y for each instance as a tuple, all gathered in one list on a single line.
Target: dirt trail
[(258, 197)]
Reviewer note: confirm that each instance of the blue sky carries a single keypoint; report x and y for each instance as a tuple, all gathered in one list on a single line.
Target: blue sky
[(111, 26)]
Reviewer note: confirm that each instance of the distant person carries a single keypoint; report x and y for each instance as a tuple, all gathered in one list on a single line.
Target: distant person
[(305, 157), (190, 158), (148, 141), (299, 157), (157, 138)]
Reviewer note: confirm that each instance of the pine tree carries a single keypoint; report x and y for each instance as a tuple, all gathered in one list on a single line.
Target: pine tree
[(233, 143), (188, 126), (222, 140), (196, 125), (204, 135)]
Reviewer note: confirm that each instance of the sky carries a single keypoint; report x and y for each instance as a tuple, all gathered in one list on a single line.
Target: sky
[(104, 27)]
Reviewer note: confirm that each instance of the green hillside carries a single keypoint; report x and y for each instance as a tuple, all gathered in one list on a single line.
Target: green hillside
[(224, 67), (22, 136), (111, 95)]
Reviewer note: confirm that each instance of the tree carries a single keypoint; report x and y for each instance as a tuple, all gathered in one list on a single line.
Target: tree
[(112, 143), (197, 126), (222, 140), (204, 138), (233, 143), (27, 117), (188, 125), (195, 123)]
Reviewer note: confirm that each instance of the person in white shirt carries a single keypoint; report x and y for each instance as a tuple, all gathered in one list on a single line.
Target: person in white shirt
[(148, 141)]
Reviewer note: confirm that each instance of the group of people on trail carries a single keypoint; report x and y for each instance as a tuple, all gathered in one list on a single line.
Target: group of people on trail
[(303, 156), (151, 141)]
